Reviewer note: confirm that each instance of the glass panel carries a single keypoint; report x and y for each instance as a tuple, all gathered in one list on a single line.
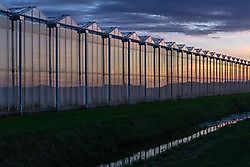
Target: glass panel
[(174, 74), (45, 95), (180, 76), (156, 70), (5, 68), (150, 72), (169, 76), (194, 81), (163, 73), (135, 94), (185, 74), (117, 90), (95, 70), (205, 76)]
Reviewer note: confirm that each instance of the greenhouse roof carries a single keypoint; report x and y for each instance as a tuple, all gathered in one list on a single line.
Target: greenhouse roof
[(198, 50), (171, 45), (112, 31), (191, 49), (93, 26), (147, 39), (31, 11), (160, 42), (22, 10), (206, 52), (132, 35), (181, 47)]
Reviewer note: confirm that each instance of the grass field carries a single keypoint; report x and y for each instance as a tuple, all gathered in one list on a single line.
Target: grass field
[(227, 147), (89, 137)]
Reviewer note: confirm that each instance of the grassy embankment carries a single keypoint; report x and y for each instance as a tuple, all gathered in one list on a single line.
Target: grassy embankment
[(227, 147), (92, 136)]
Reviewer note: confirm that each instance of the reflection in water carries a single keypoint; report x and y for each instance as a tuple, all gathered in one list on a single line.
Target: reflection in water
[(205, 129)]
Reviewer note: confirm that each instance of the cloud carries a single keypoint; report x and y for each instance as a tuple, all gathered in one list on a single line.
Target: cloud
[(192, 17)]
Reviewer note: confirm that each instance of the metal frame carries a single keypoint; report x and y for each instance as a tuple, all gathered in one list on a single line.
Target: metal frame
[(224, 68)]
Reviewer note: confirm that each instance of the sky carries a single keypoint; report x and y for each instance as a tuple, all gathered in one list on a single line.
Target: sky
[(216, 25)]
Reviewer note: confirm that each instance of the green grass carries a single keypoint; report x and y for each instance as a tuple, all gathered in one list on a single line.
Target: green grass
[(92, 136), (227, 147)]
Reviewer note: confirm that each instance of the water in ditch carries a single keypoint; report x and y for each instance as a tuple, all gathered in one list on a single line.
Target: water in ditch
[(204, 129)]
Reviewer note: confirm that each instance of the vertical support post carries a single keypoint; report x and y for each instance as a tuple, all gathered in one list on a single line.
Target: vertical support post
[(129, 86), (182, 72), (199, 74), (216, 75), (244, 76), (51, 27), (145, 71), (207, 79), (140, 71), (86, 68), (247, 78), (20, 70), (196, 74), (219, 76), (191, 55), (79, 68), (40, 75), (234, 76), (140, 66), (240, 77), (178, 80), (237, 76), (226, 89), (167, 72), (203, 75), (13, 60), (50, 63), (159, 72), (109, 70), (171, 72), (103, 63), (123, 70), (222, 75), (225, 75), (230, 76), (154, 69), (57, 70), (187, 86), (9, 58), (210, 74)]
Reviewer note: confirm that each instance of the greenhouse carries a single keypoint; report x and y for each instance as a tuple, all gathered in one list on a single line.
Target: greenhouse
[(53, 63)]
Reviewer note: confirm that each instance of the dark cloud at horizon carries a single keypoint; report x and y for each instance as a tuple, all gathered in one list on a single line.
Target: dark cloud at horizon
[(192, 17)]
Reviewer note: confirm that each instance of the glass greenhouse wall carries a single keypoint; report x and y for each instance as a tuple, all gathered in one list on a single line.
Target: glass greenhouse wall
[(55, 64)]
